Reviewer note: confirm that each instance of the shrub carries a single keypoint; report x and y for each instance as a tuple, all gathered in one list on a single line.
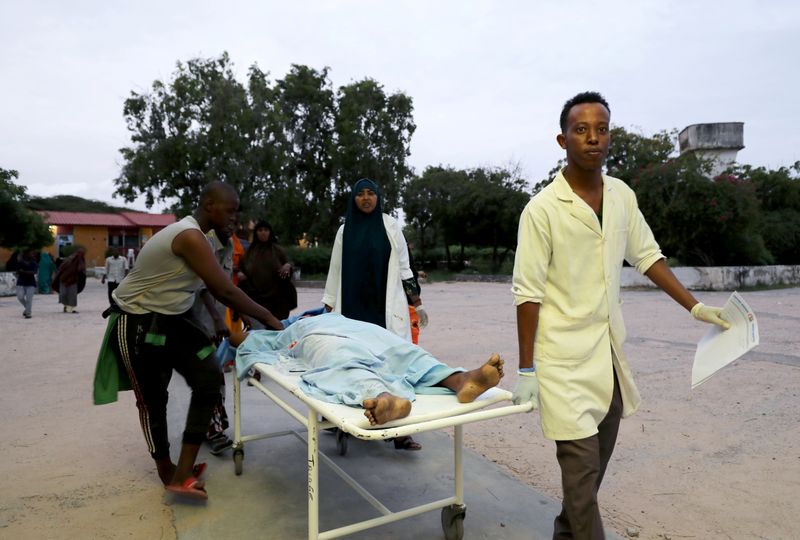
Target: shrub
[(311, 260)]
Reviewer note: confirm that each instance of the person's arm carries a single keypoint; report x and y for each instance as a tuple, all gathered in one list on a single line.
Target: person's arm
[(529, 280), (286, 267), (527, 323), (660, 274), (527, 388), (642, 251), (193, 247), (220, 329), (330, 297), (105, 275)]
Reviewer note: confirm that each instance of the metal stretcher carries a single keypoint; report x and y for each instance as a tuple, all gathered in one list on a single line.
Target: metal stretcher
[(429, 412)]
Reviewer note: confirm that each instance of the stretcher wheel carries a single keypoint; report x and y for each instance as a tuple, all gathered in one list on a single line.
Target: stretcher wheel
[(238, 458), (341, 441), (453, 521)]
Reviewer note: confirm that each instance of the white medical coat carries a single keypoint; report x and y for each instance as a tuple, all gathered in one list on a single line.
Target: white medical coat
[(569, 264), (397, 317)]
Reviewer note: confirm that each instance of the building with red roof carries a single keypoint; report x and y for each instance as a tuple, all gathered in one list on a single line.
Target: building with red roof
[(98, 232)]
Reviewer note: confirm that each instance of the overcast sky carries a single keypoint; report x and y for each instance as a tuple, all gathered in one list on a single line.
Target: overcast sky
[(488, 79)]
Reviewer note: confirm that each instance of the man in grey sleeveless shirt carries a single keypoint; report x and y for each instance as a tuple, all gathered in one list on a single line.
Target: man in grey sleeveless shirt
[(152, 333)]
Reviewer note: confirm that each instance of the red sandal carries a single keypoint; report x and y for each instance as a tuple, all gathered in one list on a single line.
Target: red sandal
[(191, 488)]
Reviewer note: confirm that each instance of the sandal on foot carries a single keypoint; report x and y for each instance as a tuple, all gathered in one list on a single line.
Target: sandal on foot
[(406, 443), (191, 488)]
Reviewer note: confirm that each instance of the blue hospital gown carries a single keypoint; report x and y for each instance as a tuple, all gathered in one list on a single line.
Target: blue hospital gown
[(345, 361)]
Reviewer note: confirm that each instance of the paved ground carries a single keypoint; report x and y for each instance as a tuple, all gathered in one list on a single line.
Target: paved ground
[(717, 462)]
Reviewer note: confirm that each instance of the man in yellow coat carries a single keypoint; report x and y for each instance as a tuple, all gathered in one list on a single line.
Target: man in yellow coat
[(573, 237)]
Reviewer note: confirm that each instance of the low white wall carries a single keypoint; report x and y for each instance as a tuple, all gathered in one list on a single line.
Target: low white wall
[(8, 284), (721, 278)]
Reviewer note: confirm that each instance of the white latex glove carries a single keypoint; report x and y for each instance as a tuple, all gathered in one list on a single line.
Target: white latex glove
[(423, 316), (709, 314), (527, 389)]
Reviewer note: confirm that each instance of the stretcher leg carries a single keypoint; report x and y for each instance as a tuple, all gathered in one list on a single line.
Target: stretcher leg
[(453, 515), (238, 445), (341, 441), (313, 475)]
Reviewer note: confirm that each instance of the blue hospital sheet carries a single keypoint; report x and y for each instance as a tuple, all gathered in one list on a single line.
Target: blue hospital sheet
[(345, 361)]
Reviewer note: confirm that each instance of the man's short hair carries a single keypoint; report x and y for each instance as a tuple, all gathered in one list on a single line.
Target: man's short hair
[(583, 97), (217, 190)]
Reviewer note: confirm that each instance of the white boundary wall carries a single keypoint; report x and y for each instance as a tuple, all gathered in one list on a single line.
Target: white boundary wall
[(721, 278)]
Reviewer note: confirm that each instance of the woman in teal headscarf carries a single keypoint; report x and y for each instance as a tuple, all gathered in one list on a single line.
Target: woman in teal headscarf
[(369, 274), (46, 269)]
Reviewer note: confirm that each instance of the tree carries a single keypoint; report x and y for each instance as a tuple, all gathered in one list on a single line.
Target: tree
[(490, 210), (631, 152), (697, 220), (292, 148), (477, 207), (73, 203), (778, 192), (186, 133), (373, 138), (429, 205), (20, 227), (298, 199)]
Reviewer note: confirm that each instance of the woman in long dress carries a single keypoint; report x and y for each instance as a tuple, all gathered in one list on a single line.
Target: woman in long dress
[(268, 273), (46, 269), (70, 279)]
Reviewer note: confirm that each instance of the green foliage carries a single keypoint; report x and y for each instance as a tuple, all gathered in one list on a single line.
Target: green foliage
[(312, 260), (476, 260), (477, 207), (73, 203), (631, 152), (189, 132), (778, 191), (373, 136), (19, 226), (292, 147), (300, 110), (428, 202), (701, 222)]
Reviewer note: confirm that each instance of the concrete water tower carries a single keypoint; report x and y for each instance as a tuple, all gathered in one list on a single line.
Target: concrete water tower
[(719, 142)]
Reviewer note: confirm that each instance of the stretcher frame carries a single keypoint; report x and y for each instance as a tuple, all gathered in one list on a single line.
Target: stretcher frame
[(428, 413)]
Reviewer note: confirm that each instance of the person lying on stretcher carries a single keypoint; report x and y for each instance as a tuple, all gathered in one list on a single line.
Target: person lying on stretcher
[(361, 364)]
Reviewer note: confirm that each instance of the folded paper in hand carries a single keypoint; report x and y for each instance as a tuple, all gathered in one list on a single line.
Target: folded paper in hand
[(719, 347)]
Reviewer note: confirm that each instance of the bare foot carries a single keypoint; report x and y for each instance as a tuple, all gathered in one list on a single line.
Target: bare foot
[(166, 470), (385, 408), (477, 381)]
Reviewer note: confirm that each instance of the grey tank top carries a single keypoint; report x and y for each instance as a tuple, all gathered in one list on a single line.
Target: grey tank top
[(160, 281)]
